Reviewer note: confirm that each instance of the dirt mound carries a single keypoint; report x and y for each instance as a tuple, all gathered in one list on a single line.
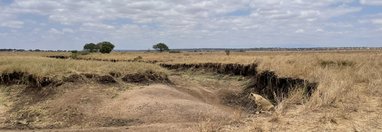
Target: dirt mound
[(162, 104), (72, 105), (231, 69), (91, 105)]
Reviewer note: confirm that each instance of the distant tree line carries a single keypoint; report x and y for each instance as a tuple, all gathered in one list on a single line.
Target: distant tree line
[(161, 47)]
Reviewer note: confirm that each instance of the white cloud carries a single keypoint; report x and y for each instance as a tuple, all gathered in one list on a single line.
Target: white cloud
[(98, 26), (186, 20), (319, 30), (371, 2), (377, 21), (12, 24), (300, 31)]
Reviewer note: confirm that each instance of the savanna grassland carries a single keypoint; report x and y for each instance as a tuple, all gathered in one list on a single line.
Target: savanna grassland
[(131, 91)]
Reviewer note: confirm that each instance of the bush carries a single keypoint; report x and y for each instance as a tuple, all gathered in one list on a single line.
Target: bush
[(174, 51), (105, 47), (91, 47)]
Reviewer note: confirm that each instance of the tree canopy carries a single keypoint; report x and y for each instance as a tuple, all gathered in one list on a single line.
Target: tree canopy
[(91, 47), (105, 47), (161, 47)]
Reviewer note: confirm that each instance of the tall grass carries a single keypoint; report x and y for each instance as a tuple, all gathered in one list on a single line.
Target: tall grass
[(51, 67)]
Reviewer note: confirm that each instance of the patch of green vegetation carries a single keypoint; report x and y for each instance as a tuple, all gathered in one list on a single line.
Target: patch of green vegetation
[(175, 51)]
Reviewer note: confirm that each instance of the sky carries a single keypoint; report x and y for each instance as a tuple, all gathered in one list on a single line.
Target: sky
[(139, 24)]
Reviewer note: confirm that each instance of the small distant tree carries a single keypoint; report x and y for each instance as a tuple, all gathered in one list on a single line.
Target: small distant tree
[(161, 47), (105, 47), (91, 47)]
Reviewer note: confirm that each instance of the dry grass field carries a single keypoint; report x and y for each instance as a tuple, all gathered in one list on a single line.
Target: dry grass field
[(139, 96)]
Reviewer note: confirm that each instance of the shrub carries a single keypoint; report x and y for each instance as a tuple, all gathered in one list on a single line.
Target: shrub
[(91, 47), (174, 51), (105, 47), (74, 51)]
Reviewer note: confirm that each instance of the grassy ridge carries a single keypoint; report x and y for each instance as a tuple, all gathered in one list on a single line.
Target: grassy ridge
[(42, 66)]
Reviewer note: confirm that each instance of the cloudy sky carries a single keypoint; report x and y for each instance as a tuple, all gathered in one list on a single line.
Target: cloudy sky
[(138, 24)]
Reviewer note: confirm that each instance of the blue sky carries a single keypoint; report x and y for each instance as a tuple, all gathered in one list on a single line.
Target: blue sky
[(138, 24)]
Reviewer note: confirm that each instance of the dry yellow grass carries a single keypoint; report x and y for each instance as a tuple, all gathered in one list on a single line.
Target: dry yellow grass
[(348, 97), (43, 66), (349, 91), (36, 54)]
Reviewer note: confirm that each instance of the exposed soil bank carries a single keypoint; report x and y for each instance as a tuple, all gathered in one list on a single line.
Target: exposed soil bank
[(267, 83), (271, 87), (15, 78), (148, 77), (25, 78), (230, 69)]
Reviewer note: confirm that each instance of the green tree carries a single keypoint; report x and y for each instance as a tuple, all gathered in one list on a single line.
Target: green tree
[(105, 47), (91, 47), (161, 47)]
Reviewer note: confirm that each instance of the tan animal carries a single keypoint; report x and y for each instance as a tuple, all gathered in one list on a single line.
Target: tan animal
[(263, 105)]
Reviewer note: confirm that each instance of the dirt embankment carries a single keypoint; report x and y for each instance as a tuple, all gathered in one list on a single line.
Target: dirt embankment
[(15, 78), (230, 69), (24, 78), (266, 83), (270, 86)]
